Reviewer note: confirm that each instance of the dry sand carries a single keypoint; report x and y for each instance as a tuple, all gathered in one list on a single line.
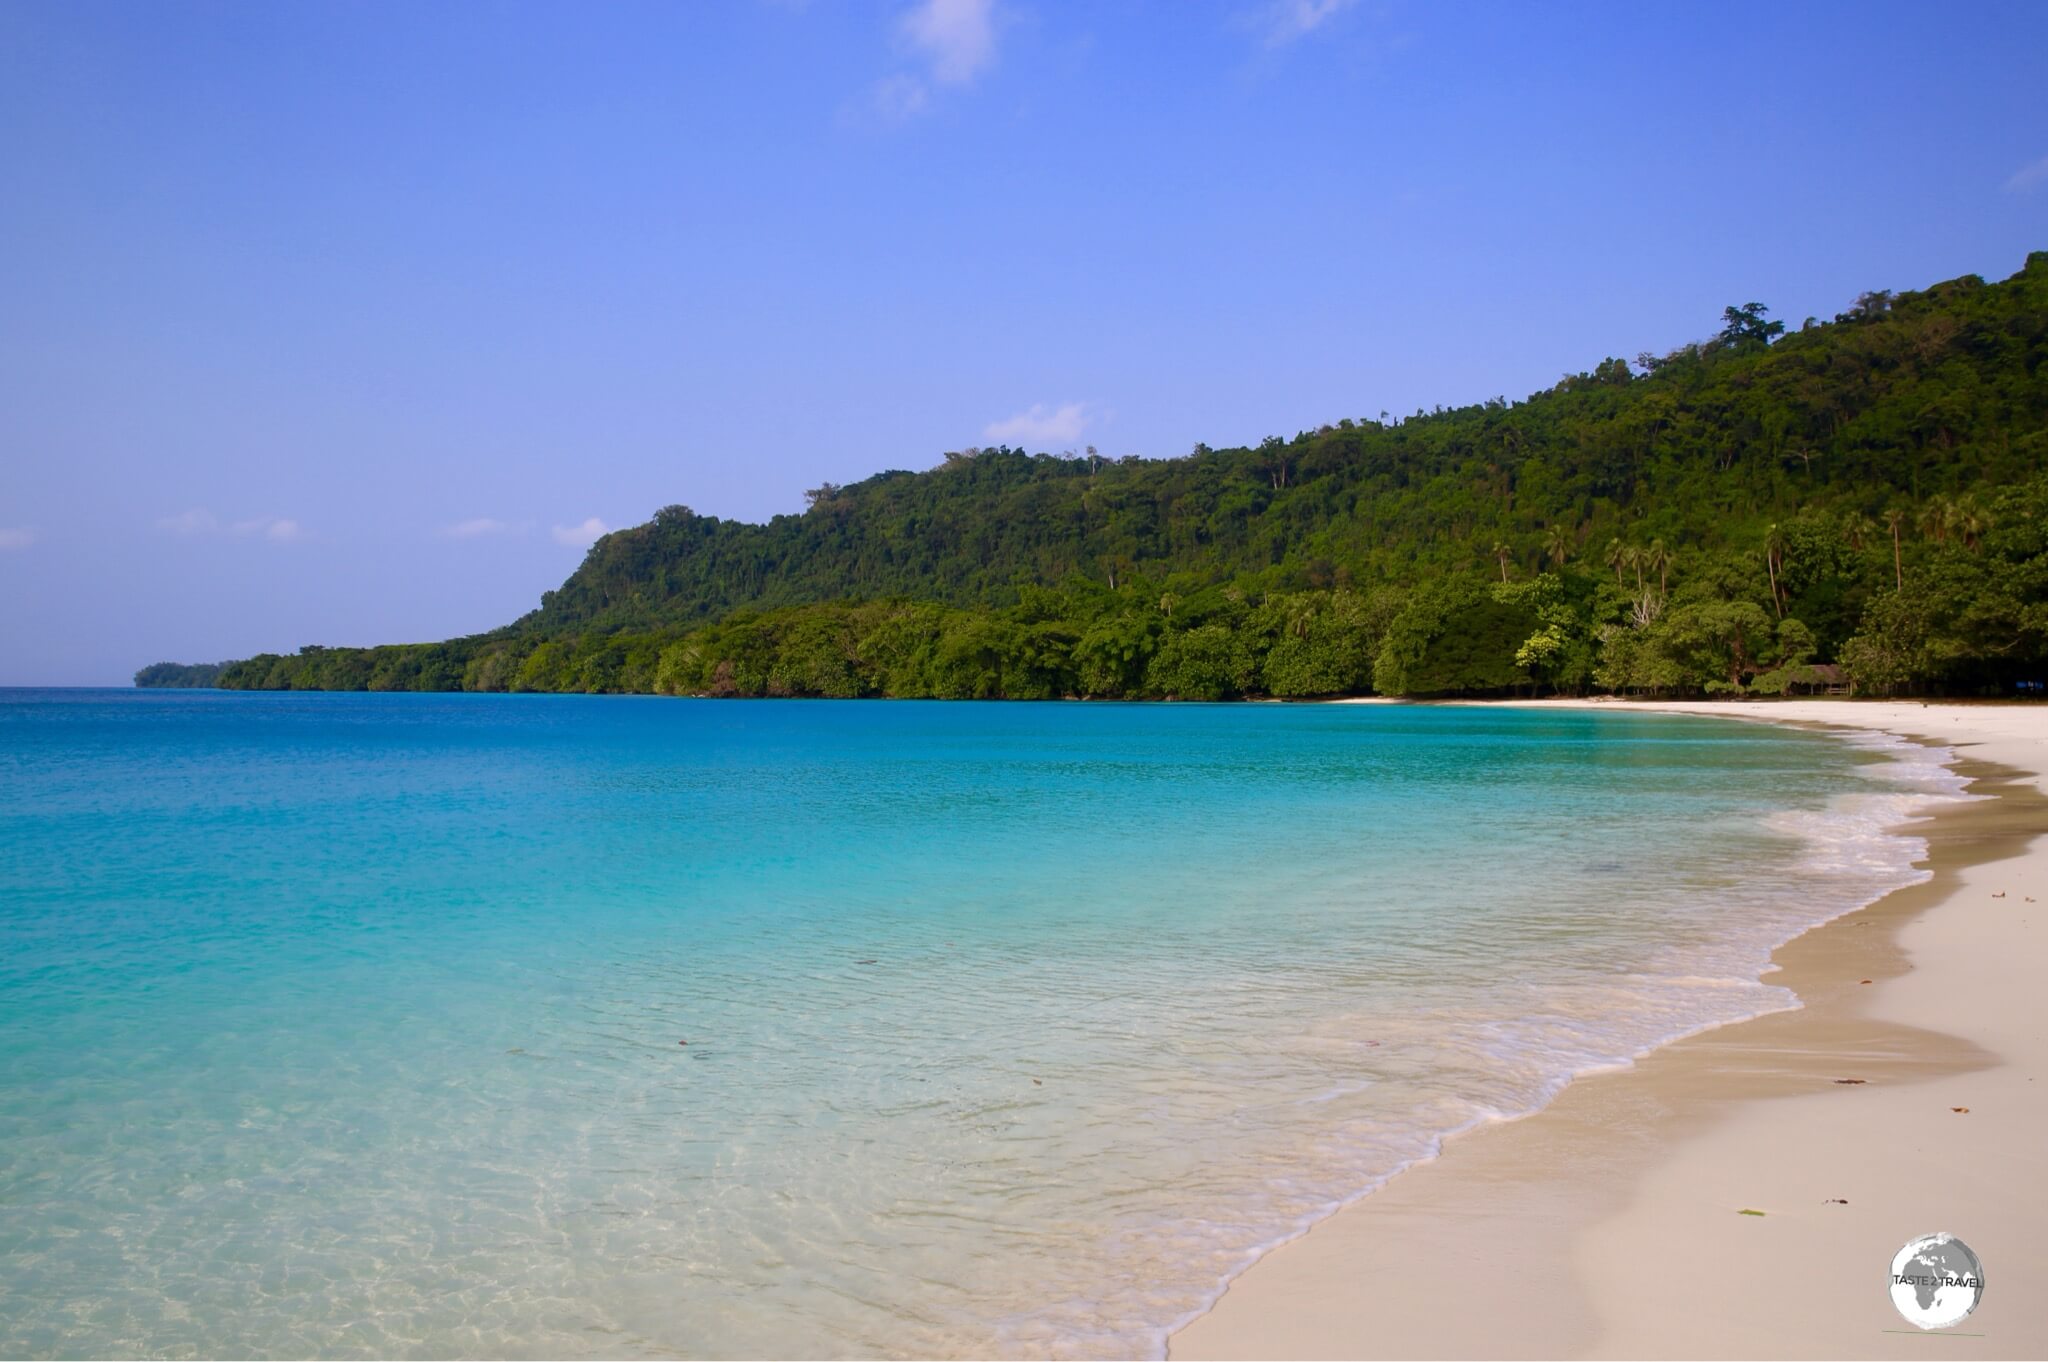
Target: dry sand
[(1608, 1224)]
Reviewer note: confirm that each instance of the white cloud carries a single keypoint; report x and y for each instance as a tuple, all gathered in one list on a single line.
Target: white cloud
[(1286, 20), (199, 520), (274, 528), (1040, 424), (16, 538), (955, 40), (194, 521), (900, 97), (581, 536), (477, 528), (2026, 177), (957, 37)]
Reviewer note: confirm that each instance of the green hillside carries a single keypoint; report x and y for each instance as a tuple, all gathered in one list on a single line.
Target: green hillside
[(1738, 514)]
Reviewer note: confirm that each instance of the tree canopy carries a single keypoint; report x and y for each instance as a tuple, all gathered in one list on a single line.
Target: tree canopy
[(180, 675), (1859, 502)]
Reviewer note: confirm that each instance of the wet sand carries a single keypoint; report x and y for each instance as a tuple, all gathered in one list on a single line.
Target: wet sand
[(1610, 1223)]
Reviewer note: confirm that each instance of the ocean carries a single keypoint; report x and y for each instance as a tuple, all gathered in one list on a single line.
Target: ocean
[(564, 1026)]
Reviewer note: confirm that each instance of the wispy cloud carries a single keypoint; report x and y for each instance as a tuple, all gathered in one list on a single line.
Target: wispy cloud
[(581, 536), (1285, 20), (2028, 177), (194, 521), (16, 537), (899, 97), (1040, 424), (199, 520), (480, 527), (952, 40), (277, 529), (957, 37)]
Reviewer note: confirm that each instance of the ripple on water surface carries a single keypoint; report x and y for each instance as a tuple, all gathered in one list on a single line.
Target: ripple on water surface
[(349, 1025)]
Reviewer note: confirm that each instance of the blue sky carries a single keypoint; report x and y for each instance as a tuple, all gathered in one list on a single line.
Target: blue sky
[(352, 323)]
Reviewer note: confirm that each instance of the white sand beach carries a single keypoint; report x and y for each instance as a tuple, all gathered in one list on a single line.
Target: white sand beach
[(1909, 1094)]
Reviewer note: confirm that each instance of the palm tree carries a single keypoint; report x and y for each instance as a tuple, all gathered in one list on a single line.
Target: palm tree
[(1636, 559), (1658, 559), (1894, 519), (1937, 517), (1502, 552), (1774, 556), (1857, 528), (1970, 520), (1300, 613), (1617, 556), (1558, 543)]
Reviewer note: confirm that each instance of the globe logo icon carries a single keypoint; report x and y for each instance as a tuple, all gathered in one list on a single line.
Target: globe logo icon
[(1936, 1281)]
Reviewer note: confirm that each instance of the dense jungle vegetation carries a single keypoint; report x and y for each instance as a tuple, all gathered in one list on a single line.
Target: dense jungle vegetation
[(180, 675), (1857, 502)]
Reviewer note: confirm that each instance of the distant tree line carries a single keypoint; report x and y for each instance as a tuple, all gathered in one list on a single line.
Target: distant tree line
[(1860, 502), (180, 675)]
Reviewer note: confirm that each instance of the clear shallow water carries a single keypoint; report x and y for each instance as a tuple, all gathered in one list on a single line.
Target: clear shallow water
[(347, 1025)]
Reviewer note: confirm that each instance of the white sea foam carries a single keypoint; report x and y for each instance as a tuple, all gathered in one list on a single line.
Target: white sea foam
[(1849, 854)]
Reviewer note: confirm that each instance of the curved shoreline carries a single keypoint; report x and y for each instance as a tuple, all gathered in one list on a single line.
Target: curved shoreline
[(1622, 1175), (1766, 977)]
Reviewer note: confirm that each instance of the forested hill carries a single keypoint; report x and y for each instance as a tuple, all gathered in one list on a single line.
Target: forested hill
[(1731, 515), (1929, 394)]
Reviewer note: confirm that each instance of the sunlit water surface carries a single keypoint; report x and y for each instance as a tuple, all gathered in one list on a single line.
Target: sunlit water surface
[(350, 1025)]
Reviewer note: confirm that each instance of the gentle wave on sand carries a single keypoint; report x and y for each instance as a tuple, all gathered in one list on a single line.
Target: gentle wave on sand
[(354, 1024)]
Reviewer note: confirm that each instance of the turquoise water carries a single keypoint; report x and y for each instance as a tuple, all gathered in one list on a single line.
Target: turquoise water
[(348, 1025)]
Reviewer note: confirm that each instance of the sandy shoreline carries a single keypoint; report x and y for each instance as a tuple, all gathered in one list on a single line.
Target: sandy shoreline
[(1608, 1224)]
